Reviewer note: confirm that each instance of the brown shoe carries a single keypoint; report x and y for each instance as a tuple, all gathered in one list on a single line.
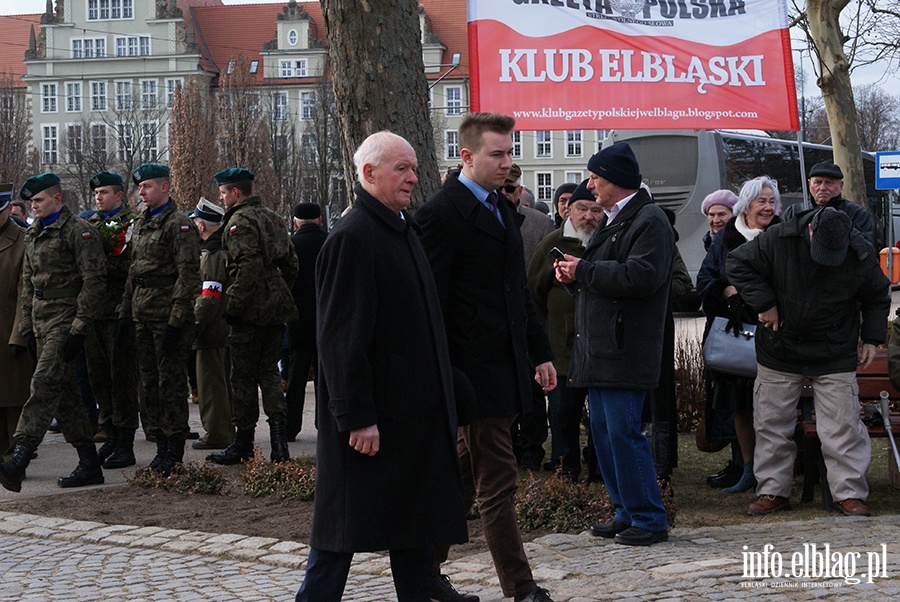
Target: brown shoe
[(853, 507), (767, 504)]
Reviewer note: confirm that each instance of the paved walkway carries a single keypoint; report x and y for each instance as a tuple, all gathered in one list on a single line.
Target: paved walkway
[(59, 560)]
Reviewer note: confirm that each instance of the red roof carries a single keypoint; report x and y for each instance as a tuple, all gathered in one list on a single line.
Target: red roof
[(14, 31), (226, 31)]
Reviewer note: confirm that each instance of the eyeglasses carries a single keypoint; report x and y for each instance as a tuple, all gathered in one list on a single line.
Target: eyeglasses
[(510, 188)]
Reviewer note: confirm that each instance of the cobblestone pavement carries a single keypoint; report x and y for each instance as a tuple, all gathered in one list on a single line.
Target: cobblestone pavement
[(59, 560)]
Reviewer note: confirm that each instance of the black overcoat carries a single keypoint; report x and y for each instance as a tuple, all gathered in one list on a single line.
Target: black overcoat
[(308, 241), (383, 360), (494, 331)]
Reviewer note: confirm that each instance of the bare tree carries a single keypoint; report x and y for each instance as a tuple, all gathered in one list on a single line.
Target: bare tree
[(192, 144), (878, 118), (243, 131), (321, 150), (375, 53), (16, 161), (287, 156)]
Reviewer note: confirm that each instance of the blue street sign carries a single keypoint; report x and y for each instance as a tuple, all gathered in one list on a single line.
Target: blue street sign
[(887, 170)]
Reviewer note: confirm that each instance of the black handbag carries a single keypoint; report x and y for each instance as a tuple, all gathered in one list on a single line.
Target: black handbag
[(729, 352)]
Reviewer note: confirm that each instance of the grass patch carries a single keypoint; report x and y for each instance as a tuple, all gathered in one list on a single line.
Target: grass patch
[(193, 477), (294, 478)]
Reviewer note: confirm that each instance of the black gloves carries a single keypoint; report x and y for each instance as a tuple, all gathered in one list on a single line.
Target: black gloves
[(31, 346), (16, 350), (171, 337), (72, 347), (232, 320), (123, 330), (735, 313)]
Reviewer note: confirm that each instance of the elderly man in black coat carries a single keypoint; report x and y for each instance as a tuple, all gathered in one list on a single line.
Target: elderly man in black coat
[(496, 339), (388, 476)]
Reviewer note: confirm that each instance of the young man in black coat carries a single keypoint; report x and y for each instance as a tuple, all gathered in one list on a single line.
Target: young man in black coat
[(472, 238), (387, 472)]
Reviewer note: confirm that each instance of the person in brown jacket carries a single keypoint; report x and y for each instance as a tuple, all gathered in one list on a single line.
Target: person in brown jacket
[(15, 361)]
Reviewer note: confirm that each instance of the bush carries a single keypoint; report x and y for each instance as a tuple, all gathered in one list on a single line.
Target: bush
[(690, 388), (190, 478), (294, 478)]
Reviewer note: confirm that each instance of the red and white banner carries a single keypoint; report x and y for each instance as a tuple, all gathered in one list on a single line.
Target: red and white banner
[(633, 64)]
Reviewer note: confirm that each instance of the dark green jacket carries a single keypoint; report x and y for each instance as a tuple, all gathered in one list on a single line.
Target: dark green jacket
[(118, 257)]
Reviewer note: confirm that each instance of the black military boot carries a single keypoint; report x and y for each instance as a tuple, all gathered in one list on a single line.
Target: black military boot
[(109, 446), (239, 450), (174, 456), (13, 470), (278, 435), (162, 446), (123, 455), (88, 471)]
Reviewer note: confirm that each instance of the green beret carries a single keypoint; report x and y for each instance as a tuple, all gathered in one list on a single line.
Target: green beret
[(149, 171), (38, 183), (106, 178), (234, 174)]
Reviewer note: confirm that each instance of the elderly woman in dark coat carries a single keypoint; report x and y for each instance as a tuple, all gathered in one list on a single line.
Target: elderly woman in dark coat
[(758, 206), (387, 470)]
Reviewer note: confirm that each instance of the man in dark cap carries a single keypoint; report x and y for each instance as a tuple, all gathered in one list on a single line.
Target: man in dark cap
[(63, 277), (213, 357), (561, 198), (817, 286), (262, 264), (622, 292), (556, 307), (163, 282), (113, 368), (826, 182), (308, 239)]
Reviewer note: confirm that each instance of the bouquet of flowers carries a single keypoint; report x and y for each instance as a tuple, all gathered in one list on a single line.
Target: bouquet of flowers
[(115, 235)]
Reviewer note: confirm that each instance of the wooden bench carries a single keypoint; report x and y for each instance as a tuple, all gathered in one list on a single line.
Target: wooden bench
[(872, 381)]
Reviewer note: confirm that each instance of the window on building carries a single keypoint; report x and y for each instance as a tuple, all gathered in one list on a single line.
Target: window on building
[(98, 96), (307, 105), (49, 144), (452, 147), (150, 140), (98, 140), (573, 143), (123, 96), (133, 46), (171, 86), (252, 99), (573, 177), (453, 95), (48, 98), (73, 97), (7, 107), (517, 145), (144, 42), (74, 143), (544, 186), (148, 94), (293, 68), (543, 143), (254, 66), (293, 37), (125, 141), (280, 105), (281, 147), (308, 147)]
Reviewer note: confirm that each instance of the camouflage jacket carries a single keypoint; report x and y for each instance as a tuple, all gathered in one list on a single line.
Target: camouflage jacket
[(164, 277), (115, 237), (209, 309), (262, 264), (63, 275)]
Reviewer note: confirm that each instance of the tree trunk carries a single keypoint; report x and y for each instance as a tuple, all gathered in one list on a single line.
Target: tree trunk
[(834, 82), (375, 53)]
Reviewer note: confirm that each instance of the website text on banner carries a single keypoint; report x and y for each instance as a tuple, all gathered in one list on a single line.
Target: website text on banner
[(633, 64)]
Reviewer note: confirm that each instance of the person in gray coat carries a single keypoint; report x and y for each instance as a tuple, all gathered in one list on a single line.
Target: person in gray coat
[(622, 291)]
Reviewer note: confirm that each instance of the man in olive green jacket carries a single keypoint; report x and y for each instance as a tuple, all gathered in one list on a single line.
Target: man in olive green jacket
[(263, 265)]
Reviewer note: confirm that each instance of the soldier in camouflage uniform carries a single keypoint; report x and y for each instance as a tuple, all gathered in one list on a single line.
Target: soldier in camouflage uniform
[(113, 367), (262, 264), (163, 282), (63, 278)]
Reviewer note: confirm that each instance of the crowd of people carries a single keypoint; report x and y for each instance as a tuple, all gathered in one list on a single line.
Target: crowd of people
[(435, 341)]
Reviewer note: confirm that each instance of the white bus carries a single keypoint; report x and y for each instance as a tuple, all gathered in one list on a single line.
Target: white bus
[(681, 167)]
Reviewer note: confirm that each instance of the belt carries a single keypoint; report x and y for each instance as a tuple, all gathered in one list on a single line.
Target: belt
[(154, 281), (46, 294)]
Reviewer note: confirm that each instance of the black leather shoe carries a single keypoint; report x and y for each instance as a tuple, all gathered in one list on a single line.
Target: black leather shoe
[(610, 529), (635, 536), (538, 594), (443, 591), (727, 477)]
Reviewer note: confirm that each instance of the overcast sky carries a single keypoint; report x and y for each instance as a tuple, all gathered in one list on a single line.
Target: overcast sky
[(870, 75)]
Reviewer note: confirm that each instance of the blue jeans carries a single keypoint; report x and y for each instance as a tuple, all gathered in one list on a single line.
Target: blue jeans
[(624, 456), (326, 575)]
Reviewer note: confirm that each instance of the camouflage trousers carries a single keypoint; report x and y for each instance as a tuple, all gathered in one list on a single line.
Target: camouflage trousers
[(255, 351), (53, 393), (113, 371), (164, 383)]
